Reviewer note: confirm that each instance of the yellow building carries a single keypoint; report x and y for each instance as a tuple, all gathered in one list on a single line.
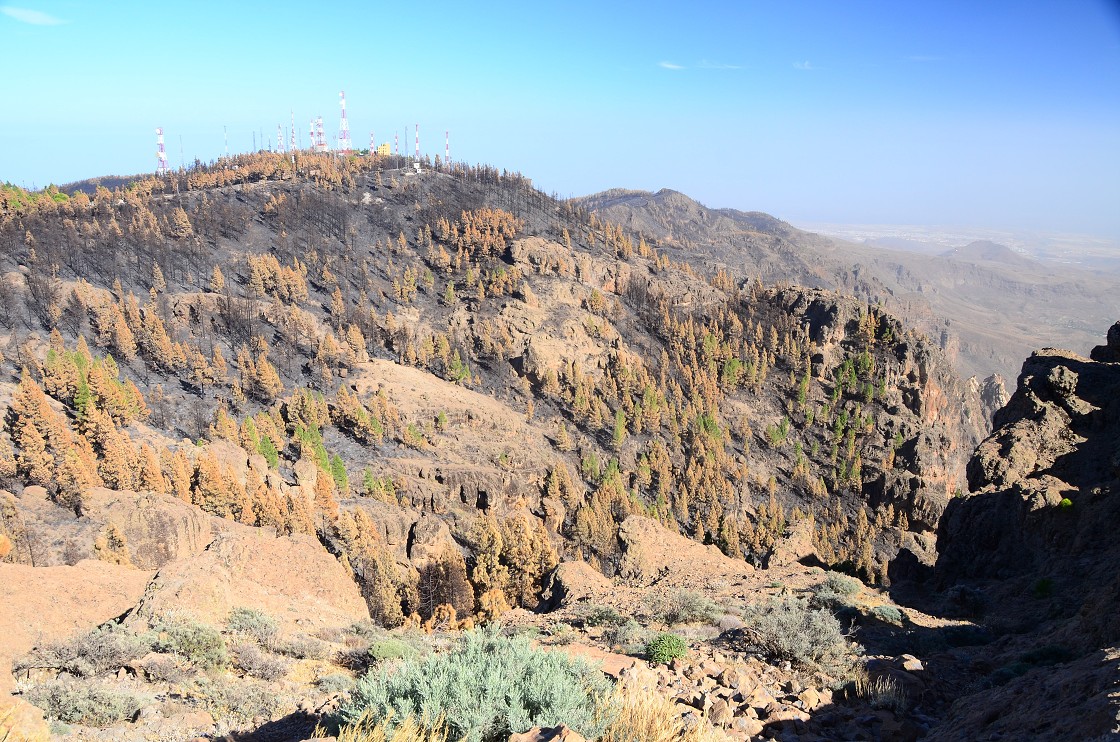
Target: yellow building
[(383, 149)]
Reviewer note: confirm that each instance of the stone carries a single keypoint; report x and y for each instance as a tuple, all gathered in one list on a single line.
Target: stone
[(910, 663), (810, 697), (719, 714), (291, 578), (551, 734), (711, 669), (747, 725), (22, 722)]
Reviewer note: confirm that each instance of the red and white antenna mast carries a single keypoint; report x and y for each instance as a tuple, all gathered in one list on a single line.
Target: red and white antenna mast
[(396, 143), (418, 142), (343, 126), (161, 154), (447, 148), (311, 136), (372, 145), (292, 146), (321, 142)]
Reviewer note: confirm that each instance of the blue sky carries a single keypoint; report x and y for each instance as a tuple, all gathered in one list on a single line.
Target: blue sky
[(995, 114)]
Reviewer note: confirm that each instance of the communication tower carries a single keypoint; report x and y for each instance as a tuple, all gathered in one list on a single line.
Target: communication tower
[(344, 126), (293, 130), (161, 154), (447, 148), (321, 141), (279, 139)]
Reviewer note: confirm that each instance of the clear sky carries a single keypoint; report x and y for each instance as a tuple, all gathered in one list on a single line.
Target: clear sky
[(985, 113)]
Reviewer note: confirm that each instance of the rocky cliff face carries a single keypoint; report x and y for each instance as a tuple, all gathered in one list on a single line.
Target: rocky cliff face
[(1042, 486), (1032, 549)]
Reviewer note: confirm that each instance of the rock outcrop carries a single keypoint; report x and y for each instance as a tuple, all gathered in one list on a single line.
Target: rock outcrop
[(1043, 485), (1032, 551), (47, 603), (290, 578), (155, 528), (652, 554)]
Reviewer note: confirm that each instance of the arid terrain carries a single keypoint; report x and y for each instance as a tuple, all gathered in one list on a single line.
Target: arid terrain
[(325, 446)]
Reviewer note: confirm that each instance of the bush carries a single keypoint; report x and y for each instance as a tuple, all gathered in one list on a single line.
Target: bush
[(254, 624), (792, 630), (105, 649), (238, 701), (602, 615), (391, 649), (839, 584), (630, 637), (484, 689), (683, 606), (305, 648), (560, 633), (199, 644), (664, 648), (883, 692), (260, 663), (92, 704), (835, 592), (887, 614), (336, 682)]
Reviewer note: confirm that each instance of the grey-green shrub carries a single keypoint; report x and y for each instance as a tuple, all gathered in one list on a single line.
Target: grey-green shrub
[(887, 614), (683, 606), (260, 663), (602, 615), (78, 702), (836, 590), (485, 688), (839, 584), (664, 648), (336, 682), (199, 644), (237, 701), (305, 648), (630, 637), (255, 624), (792, 630), (391, 648), (105, 649)]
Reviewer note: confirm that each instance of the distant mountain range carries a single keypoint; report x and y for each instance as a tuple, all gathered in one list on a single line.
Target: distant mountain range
[(985, 304)]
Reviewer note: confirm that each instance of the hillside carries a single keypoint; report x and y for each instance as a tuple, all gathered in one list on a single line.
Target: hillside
[(337, 398), (953, 297)]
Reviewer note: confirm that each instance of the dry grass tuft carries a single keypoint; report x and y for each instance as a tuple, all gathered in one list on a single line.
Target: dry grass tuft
[(637, 715), (365, 730)]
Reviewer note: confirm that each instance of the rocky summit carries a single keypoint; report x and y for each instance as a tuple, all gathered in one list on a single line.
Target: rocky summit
[(321, 446)]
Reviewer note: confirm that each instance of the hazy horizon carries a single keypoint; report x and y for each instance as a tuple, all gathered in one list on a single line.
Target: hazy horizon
[(1002, 116)]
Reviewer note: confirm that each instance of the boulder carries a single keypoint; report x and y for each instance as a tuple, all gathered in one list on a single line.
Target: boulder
[(552, 734), (158, 528), (574, 582), (291, 578), (652, 553), (22, 722)]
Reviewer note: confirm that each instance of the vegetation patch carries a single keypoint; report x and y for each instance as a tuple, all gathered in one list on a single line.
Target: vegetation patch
[(484, 689), (199, 644), (793, 630), (80, 702), (664, 648), (105, 649)]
